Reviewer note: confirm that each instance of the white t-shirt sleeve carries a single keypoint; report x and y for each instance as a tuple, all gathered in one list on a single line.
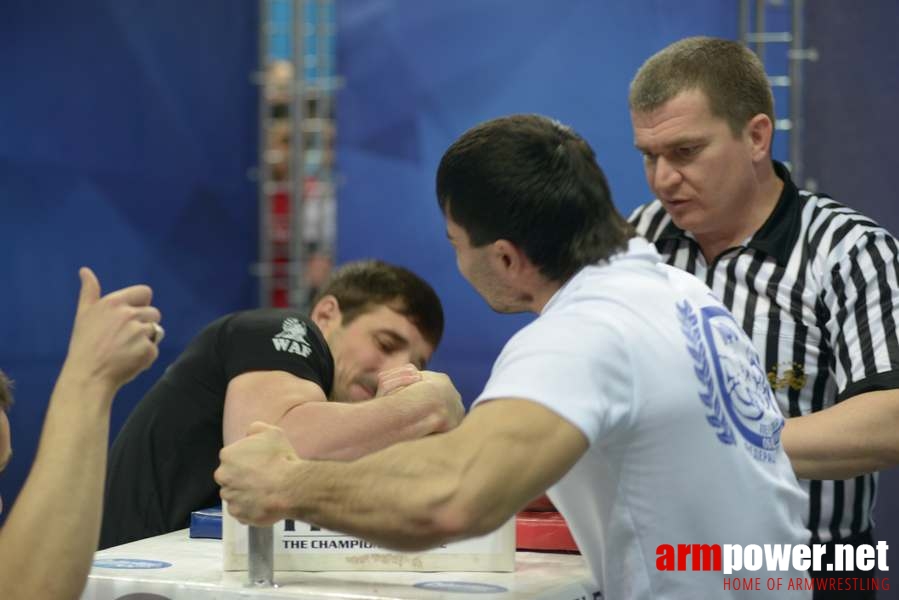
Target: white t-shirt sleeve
[(578, 368)]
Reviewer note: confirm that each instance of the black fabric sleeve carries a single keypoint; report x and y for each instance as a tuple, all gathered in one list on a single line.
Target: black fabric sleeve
[(874, 383), (275, 339)]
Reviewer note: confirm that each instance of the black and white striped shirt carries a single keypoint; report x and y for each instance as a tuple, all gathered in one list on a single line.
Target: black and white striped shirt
[(817, 289)]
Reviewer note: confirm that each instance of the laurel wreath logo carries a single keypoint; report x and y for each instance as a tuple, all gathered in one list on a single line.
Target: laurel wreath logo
[(689, 324)]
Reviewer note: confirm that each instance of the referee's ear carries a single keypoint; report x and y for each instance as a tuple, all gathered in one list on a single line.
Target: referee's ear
[(759, 132)]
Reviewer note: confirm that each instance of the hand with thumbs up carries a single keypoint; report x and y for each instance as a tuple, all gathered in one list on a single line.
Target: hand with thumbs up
[(114, 336), (113, 339)]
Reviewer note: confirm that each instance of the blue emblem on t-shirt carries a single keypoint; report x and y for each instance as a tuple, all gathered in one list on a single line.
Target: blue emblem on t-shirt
[(733, 385)]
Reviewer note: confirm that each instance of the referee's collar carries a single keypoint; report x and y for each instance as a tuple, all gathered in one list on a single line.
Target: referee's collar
[(780, 231)]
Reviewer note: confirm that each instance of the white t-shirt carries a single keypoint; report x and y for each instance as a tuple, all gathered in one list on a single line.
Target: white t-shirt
[(683, 429)]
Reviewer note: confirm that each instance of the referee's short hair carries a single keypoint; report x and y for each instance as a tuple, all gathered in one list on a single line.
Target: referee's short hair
[(730, 74)]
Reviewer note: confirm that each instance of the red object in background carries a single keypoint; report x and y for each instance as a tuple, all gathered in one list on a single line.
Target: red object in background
[(279, 298), (540, 504), (279, 235), (544, 531)]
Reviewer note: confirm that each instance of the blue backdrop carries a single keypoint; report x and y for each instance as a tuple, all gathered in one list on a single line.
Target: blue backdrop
[(126, 132), (418, 74), (127, 128)]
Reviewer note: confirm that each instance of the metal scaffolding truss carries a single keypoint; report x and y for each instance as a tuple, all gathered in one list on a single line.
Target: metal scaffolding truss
[(774, 30), (297, 197)]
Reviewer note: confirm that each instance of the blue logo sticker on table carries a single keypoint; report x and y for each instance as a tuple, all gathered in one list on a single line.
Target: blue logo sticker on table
[(461, 587), (130, 563)]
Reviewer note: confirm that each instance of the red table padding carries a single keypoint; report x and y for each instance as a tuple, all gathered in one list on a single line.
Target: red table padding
[(543, 531)]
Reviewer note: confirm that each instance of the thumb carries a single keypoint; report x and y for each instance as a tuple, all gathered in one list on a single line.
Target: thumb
[(260, 427), (90, 288)]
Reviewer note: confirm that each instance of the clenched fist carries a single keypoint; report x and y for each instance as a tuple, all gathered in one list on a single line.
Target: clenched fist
[(255, 474)]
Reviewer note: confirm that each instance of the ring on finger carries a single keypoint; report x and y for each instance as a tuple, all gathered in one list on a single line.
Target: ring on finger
[(158, 333)]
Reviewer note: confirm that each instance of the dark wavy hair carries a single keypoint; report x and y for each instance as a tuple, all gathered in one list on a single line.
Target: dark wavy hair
[(534, 182), (363, 285)]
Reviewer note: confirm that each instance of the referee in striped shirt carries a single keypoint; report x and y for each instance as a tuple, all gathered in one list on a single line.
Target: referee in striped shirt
[(814, 283)]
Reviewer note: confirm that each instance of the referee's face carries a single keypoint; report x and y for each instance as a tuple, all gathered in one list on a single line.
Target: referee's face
[(702, 173)]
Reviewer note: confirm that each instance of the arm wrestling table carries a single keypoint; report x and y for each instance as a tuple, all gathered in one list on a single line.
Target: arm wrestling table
[(176, 567)]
